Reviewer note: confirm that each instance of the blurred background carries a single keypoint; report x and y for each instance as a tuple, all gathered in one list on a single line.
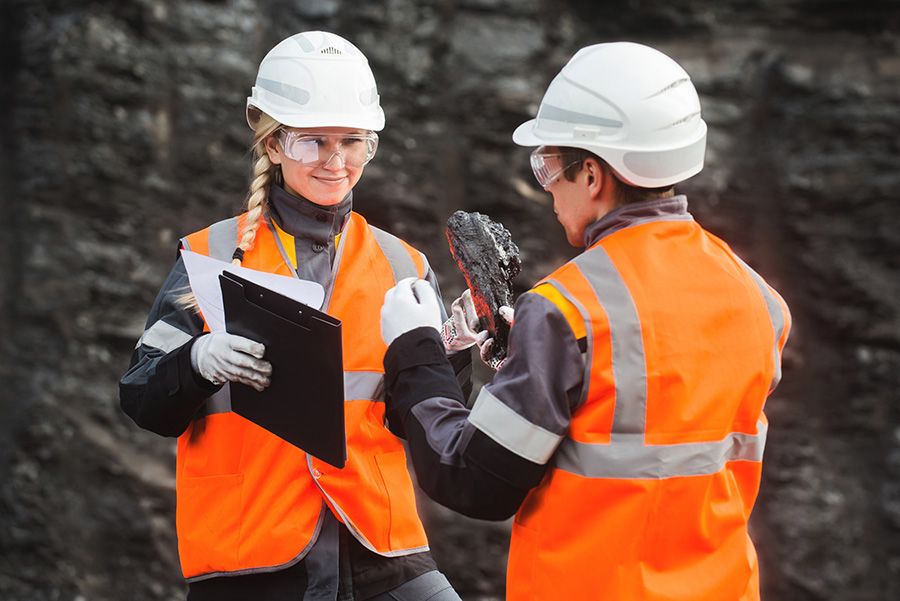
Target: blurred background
[(122, 129)]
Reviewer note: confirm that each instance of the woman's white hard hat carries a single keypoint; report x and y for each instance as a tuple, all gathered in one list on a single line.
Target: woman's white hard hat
[(316, 79), (629, 104)]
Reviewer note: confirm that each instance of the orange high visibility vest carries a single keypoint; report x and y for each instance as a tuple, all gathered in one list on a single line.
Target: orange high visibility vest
[(649, 493), (250, 502)]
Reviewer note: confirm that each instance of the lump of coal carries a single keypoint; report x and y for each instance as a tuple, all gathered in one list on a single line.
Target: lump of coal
[(489, 260)]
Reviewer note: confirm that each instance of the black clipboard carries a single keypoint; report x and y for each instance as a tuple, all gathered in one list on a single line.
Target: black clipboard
[(304, 404)]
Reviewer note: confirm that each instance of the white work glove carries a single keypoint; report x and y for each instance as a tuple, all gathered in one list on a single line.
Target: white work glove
[(485, 344), (460, 330), (222, 357), (410, 304)]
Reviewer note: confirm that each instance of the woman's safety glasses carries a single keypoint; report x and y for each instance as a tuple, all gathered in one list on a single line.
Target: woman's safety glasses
[(316, 149), (548, 166)]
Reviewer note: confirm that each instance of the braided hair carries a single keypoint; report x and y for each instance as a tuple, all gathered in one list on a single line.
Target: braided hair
[(265, 173)]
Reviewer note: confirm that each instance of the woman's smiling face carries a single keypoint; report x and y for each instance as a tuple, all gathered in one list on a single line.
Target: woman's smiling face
[(326, 183)]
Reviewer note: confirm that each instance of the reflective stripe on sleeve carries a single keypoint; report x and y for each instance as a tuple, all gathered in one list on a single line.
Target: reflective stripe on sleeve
[(163, 336), (631, 459), (512, 431)]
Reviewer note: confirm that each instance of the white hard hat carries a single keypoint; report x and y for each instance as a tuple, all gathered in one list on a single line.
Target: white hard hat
[(629, 104), (316, 79)]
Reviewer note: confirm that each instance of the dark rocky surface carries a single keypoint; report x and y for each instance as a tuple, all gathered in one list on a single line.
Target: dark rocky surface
[(123, 129)]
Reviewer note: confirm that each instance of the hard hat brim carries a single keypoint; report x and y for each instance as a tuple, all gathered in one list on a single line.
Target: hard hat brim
[(524, 134)]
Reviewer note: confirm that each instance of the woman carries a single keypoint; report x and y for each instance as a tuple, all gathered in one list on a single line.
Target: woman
[(257, 518)]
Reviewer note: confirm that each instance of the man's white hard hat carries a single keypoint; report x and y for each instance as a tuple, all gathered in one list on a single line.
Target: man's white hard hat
[(316, 79), (629, 104)]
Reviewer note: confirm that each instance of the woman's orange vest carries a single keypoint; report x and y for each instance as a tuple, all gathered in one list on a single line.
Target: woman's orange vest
[(649, 494), (251, 502)]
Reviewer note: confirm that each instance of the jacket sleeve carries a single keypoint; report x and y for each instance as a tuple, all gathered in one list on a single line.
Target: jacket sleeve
[(461, 361), (481, 462), (160, 390)]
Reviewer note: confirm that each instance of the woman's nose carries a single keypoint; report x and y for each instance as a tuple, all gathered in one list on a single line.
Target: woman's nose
[(332, 164)]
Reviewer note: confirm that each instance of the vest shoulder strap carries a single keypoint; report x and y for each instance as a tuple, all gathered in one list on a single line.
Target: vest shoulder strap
[(221, 239), (398, 254)]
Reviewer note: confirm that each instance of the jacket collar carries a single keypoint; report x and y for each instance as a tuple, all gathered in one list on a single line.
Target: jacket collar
[(301, 217), (673, 208)]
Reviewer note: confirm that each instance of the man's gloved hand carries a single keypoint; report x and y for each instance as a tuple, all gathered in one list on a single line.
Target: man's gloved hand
[(485, 344), (222, 357), (410, 304), (460, 330)]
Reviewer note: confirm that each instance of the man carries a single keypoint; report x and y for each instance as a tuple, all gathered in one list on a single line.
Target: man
[(625, 429)]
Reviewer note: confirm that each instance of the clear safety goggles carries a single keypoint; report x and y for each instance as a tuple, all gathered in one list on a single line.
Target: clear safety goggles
[(316, 149), (548, 166)]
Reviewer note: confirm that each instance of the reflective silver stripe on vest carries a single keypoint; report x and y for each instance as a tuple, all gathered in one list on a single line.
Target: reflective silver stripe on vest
[(627, 455), (402, 264), (358, 385), (223, 239), (367, 386), (626, 341), (629, 458), (364, 385), (512, 431), (777, 315), (163, 336)]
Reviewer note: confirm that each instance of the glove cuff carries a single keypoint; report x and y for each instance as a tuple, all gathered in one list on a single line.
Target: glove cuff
[(195, 352)]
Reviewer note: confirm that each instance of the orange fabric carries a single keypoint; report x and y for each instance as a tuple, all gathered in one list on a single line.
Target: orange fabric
[(247, 500), (569, 311), (709, 359)]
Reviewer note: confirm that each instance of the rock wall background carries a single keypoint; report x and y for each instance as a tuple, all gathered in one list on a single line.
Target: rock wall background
[(122, 129)]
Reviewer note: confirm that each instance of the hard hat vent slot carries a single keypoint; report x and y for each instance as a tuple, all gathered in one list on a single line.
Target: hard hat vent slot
[(671, 86), (686, 119), (330, 50)]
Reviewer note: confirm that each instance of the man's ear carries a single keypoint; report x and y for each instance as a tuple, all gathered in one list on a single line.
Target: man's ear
[(594, 177)]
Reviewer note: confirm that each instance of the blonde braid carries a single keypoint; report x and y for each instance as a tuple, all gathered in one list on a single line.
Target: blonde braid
[(264, 173)]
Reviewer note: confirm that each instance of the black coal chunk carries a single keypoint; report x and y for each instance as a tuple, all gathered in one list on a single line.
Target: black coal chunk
[(489, 260)]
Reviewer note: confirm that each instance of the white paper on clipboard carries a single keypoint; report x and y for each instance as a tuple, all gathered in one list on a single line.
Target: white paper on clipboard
[(203, 273)]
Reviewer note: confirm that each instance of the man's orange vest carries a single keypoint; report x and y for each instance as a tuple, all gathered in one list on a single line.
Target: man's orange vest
[(250, 502), (649, 494)]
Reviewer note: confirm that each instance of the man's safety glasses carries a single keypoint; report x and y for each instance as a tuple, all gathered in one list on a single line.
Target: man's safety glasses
[(548, 166), (316, 149)]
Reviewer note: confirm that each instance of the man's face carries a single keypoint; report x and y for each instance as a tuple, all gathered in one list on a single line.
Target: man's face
[(573, 206)]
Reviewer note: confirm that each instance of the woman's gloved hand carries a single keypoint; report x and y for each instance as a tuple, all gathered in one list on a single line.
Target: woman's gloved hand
[(410, 304), (222, 357), (460, 331)]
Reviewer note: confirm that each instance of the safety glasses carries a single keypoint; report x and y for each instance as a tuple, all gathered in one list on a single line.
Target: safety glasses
[(548, 166), (316, 149)]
